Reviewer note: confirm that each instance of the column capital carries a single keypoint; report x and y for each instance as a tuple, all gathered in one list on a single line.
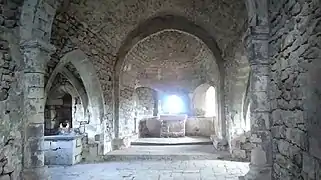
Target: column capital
[(256, 43), (38, 44), (256, 33)]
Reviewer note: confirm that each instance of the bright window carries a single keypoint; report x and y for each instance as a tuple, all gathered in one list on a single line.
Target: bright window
[(210, 102), (173, 104)]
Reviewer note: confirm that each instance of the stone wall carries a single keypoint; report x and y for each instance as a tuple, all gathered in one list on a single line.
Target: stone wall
[(147, 102), (127, 112), (295, 87), (11, 96)]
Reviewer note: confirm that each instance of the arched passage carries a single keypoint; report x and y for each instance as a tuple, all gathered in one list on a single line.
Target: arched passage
[(58, 110), (78, 109), (153, 26), (92, 87)]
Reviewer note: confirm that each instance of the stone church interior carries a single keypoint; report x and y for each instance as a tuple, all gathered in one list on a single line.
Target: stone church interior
[(160, 89)]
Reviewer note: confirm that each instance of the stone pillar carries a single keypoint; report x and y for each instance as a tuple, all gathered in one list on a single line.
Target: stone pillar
[(256, 42), (36, 53)]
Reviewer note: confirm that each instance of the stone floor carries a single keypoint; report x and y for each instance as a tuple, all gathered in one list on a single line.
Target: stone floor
[(170, 152), (153, 170)]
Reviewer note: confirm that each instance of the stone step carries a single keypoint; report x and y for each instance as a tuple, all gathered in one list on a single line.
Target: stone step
[(183, 157), (170, 143)]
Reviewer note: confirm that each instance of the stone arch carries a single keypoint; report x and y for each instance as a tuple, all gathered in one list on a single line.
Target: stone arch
[(90, 81), (162, 22), (151, 26)]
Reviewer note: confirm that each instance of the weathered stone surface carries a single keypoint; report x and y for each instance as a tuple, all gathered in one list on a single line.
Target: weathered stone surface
[(172, 128), (293, 90), (10, 92)]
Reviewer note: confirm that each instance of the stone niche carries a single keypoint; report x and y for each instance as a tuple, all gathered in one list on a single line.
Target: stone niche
[(63, 149)]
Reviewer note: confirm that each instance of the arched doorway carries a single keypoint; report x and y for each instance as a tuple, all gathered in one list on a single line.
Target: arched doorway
[(58, 111)]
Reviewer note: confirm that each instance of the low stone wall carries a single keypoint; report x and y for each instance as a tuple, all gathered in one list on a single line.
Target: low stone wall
[(200, 126), (63, 150), (194, 126)]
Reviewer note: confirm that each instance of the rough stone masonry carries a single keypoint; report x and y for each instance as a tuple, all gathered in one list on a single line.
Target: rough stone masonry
[(106, 49)]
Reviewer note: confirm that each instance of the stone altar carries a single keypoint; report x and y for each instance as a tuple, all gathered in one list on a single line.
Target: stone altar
[(63, 149), (172, 125)]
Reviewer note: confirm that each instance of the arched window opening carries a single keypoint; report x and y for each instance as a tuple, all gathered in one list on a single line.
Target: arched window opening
[(205, 102), (210, 102)]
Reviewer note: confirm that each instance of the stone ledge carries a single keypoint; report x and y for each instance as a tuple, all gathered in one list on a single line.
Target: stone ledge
[(62, 137)]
